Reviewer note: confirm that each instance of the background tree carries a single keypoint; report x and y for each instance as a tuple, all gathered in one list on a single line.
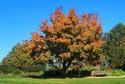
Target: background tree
[(70, 39), (21, 60), (115, 46)]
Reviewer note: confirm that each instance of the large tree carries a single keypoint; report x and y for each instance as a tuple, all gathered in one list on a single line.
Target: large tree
[(115, 47), (68, 39)]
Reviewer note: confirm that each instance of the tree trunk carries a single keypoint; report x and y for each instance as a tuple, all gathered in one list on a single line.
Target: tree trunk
[(65, 65)]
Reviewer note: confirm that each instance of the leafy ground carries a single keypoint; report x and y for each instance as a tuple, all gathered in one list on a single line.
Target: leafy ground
[(20, 80)]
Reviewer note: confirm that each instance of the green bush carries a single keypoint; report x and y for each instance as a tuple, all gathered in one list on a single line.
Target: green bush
[(116, 72), (33, 68), (53, 73), (9, 70), (89, 68), (78, 73), (23, 71)]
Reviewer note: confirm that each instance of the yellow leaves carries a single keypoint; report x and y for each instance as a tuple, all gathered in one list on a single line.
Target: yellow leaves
[(75, 47), (50, 30), (87, 47), (42, 57)]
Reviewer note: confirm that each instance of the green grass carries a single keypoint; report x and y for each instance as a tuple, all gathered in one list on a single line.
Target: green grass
[(20, 80)]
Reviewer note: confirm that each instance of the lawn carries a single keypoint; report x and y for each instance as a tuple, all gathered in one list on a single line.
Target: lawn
[(20, 80)]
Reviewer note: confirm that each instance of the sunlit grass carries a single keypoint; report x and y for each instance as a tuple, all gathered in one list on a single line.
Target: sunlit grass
[(20, 80)]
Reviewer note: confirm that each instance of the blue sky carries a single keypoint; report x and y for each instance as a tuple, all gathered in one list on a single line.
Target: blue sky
[(18, 18)]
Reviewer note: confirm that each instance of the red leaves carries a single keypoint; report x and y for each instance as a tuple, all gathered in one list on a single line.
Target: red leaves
[(90, 21), (44, 27), (73, 17)]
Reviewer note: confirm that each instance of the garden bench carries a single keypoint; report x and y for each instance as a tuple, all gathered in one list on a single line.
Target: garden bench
[(98, 73)]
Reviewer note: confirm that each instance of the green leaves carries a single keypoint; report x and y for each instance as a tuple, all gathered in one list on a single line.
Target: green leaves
[(115, 46)]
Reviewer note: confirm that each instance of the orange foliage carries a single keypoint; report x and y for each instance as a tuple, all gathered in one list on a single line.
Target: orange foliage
[(68, 35), (44, 27), (73, 17), (65, 55), (63, 41), (36, 37)]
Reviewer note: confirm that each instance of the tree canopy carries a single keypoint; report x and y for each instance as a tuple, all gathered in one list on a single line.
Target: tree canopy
[(21, 60), (69, 39), (115, 46)]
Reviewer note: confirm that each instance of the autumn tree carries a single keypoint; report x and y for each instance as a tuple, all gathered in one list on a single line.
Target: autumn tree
[(21, 59), (68, 40)]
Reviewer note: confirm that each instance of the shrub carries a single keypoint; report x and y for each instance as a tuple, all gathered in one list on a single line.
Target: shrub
[(53, 73), (116, 72), (78, 73), (9, 70), (33, 68)]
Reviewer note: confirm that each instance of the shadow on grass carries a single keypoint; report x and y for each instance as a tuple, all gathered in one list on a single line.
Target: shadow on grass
[(59, 74)]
